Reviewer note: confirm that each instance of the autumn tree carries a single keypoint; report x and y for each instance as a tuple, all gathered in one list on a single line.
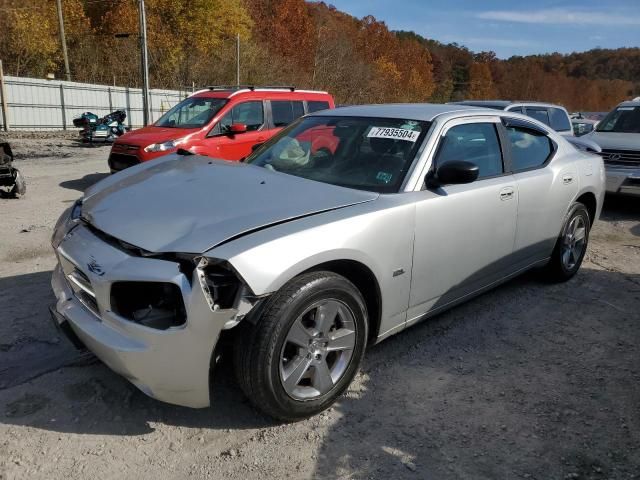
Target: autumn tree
[(30, 41), (480, 82), (308, 44)]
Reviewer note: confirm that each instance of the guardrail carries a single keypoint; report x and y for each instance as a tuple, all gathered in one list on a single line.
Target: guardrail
[(35, 104)]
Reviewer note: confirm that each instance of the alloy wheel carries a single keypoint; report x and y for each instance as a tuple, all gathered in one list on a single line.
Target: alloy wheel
[(574, 242), (317, 349)]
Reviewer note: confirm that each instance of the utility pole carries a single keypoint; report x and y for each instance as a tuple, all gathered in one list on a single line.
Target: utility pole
[(145, 63), (63, 41), (3, 101), (238, 59)]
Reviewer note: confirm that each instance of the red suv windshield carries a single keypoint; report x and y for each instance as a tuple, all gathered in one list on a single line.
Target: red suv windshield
[(193, 112)]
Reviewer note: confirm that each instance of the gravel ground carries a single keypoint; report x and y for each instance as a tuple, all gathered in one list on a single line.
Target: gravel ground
[(528, 381)]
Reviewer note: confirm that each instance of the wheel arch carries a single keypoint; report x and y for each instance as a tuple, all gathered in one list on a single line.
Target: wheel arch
[(588, 199), (367, 284)]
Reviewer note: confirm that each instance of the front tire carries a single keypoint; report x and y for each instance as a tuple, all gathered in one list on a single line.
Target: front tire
[(571, 245), (305, 349)]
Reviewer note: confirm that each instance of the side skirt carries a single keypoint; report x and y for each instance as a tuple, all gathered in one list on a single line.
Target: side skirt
[(459, 300)]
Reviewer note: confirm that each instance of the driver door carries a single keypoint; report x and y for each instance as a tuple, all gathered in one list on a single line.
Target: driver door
[(237, 146), (464, 233)]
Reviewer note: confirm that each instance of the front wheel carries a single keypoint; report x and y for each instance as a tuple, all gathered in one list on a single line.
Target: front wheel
[(303, 352), (571, 245)]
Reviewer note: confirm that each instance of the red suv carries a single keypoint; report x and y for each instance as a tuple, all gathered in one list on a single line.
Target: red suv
[(221, 122)]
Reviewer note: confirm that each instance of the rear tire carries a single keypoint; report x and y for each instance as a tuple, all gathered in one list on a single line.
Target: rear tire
[(305, 349), (571, 245)]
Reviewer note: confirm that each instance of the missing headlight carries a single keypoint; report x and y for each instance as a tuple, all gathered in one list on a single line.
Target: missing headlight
[(219, 284), (152, 304)]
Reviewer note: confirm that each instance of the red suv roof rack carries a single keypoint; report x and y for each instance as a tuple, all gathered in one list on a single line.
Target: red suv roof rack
[(251, 87)]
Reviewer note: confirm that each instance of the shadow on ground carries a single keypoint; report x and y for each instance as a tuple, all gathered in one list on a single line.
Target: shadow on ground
[(530, 380), (81, 184), (622, 208)]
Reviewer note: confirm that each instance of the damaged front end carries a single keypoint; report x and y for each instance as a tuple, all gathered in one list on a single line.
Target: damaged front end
[(223, 289), (155, 318)]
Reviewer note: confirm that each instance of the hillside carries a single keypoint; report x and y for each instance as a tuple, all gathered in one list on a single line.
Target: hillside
[(308, 44)]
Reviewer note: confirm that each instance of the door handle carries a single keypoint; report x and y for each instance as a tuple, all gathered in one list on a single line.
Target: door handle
[(506, 193), (567, 179)]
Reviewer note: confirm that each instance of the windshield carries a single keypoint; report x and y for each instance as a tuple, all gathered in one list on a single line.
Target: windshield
[(622, 120), (194, 112), (371, 154)]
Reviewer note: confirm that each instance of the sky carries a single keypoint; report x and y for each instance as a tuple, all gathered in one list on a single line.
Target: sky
[(510, 27)]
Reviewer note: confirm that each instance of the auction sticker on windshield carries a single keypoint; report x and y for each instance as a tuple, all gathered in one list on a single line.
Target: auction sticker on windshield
[(395, 133)]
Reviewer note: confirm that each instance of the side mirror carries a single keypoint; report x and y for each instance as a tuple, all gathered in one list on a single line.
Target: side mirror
[(454, 172), (236, 128)]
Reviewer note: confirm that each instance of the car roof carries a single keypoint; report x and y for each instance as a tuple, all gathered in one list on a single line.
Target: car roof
[(258, 92), (485, 103), (630, 103), (505, 103), (414, 111)]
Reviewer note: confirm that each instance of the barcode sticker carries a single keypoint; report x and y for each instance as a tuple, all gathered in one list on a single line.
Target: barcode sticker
[(394, 133)]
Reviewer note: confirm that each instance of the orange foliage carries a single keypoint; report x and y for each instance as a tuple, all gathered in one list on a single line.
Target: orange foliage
[(309, 44)]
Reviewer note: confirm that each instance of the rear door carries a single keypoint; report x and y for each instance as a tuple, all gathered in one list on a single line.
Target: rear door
[(464, 233), (282, 113), (546, 185)]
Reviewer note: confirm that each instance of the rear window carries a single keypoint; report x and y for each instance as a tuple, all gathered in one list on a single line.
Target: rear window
[(315, 106), (559, 120), (528, 148), (540, 114), (285, 112)]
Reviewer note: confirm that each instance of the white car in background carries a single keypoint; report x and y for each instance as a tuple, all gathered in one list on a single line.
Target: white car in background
[(618, 134), (550, 114)]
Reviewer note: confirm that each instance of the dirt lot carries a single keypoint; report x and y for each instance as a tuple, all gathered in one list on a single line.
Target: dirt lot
[(528, 381)]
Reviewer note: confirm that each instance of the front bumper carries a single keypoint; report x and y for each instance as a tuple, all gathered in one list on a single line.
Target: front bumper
[(623, 180), (171, 365)]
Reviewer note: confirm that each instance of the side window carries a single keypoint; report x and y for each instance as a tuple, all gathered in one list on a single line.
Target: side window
[(249, 113), (516, 110), (559, 120), (285, 112), (473, 142), (528, 149), (540, 114), (298, 109), (316, 106)]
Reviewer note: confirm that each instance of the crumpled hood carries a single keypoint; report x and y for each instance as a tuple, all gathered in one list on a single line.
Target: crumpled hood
[(615, 140), (191, 204)]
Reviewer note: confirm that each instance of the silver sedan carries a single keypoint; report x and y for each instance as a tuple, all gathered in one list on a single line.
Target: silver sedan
[(347, 227)]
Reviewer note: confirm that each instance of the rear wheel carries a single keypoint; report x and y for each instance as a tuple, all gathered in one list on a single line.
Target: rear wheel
[(571, 245), (305, 349)]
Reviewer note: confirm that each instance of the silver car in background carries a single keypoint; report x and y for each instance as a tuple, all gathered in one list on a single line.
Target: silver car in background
[(347, 227), (618, 134)]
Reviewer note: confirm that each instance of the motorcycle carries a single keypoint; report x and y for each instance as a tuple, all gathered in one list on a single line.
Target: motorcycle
[(12, 182), (105, 129)]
